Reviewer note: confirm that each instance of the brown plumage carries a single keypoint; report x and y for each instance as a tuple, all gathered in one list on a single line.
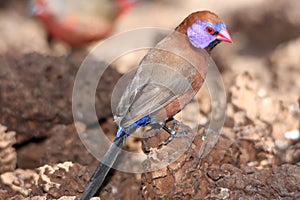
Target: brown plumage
[(79, 22), (199, 15), (166, 80)]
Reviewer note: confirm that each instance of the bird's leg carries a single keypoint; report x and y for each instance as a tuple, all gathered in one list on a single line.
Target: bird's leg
[(171, 137), (49, 39), (173, 133)]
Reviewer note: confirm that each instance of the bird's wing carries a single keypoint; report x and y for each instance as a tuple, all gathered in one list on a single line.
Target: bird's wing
[(150, 97), (161, 77)]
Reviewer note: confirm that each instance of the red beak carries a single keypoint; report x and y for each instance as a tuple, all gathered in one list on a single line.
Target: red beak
[(224, 36)]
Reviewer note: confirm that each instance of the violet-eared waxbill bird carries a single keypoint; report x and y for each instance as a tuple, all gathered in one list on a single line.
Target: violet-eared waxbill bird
[(79, 22), (166, 80)]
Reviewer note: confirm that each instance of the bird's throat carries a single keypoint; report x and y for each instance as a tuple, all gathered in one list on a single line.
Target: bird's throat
[(212, 45)]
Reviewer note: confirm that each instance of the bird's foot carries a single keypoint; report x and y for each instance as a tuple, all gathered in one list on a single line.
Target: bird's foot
[(171, 137), (173, 133)]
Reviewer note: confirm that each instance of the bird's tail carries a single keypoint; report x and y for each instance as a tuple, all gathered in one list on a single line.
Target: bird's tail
[(104, 167)]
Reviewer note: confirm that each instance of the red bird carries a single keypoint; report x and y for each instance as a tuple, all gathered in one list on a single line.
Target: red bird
[(166, 80), (78, 22)]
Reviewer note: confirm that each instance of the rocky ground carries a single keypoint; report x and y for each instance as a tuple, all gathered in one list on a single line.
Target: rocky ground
[(257, 155)]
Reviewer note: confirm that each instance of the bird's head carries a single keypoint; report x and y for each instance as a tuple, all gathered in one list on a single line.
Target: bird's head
[(204, 29), (46, 9), (37, 7)]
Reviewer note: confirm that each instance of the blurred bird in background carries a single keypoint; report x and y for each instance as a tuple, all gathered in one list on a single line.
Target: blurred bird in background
[(163, 83), (79, 22)]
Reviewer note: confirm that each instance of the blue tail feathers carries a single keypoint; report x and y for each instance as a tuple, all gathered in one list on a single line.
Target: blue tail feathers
[(120, 132), (110, 157), (130, 129)]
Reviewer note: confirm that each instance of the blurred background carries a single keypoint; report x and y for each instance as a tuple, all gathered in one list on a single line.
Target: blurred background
[(38, 64)]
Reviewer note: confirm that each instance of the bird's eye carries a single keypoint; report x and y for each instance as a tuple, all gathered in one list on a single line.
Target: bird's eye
[(210, 30)]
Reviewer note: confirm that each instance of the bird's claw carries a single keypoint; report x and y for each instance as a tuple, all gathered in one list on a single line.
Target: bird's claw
[(173, 134)]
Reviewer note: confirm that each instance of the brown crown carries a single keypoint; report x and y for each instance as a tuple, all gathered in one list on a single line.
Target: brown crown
[(199, 15)]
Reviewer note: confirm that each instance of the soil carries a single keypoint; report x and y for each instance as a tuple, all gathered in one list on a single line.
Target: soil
[(257, 155)]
